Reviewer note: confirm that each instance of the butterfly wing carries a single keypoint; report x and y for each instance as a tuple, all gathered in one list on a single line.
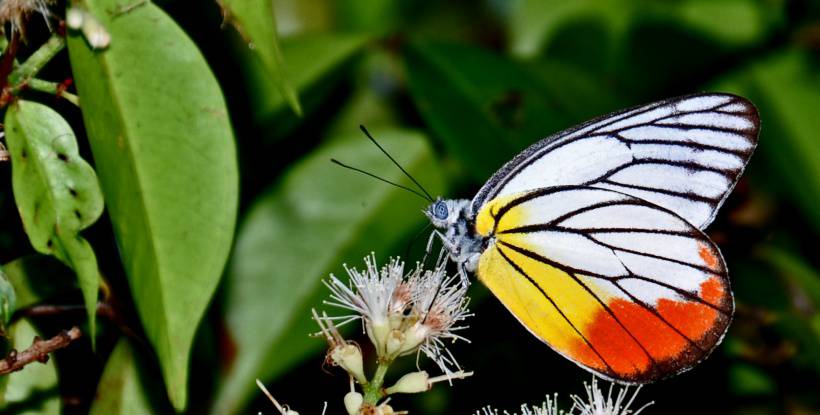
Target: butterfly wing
[(624, 288), (684, 154)]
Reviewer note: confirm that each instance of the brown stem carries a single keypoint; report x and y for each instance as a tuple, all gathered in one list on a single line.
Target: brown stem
[(103, 309), (38, 351)]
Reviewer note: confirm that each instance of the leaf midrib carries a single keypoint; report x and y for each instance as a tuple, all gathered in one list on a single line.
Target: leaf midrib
[(116, 99)]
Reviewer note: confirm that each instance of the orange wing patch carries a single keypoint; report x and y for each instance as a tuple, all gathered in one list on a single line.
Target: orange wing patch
[(641, 344)]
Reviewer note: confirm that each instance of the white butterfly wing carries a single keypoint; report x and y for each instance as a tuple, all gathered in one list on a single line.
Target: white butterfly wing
[(684, 154)]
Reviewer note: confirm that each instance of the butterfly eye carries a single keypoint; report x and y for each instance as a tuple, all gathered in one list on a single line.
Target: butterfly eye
[(440, 211)]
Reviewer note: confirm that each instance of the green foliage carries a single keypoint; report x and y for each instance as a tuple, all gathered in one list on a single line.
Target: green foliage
[(37, 278), (315, 65), (8, 302), (494, 103), (164, 149), (254, 21), (124, 388), (319, 212), (786, 89), (56, 191)]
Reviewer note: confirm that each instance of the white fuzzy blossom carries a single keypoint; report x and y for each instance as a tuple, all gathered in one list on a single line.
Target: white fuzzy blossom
[(403, 313), (548, 407), (598, 404), (594, 403), (17, 12)]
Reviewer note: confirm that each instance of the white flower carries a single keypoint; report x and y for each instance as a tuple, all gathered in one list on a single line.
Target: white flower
[(440, 302), (595, 404), (548, 407), (370, 297), (404, 313), (598, 404), (17, 12)]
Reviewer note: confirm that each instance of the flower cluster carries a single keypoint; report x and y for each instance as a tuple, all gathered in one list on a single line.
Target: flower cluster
[(402, 313), (596, 403)]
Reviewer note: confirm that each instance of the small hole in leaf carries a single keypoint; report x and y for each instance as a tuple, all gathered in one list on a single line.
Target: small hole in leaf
[(50, 244), (78, 214), (62, 157), (72, 191)]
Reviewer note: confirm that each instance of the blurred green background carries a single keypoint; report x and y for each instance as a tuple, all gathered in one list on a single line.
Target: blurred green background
[(453, 90)]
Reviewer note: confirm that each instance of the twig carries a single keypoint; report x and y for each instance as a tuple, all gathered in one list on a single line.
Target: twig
[(103, 309), (38, 351)]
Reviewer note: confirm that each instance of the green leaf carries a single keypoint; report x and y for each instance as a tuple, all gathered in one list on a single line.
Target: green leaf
[(56, 191), (8, 302), (124, 388), (733, 22), (162, 141), (745, 379), (316, 218), (534, 23), (486, 108), (786, 90), (255, 22), (33, 390), (315, 63), (36, 278), (795, 271)]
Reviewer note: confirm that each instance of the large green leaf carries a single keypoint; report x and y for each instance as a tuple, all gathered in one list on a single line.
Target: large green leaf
[(315, 63), (786, 90), (255, 22), (56, 191), (33, 390), (486, 108), (316, 218), (124, 388), (165, 153)]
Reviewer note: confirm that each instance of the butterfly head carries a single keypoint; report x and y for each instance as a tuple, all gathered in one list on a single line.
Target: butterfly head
[(444, 213)]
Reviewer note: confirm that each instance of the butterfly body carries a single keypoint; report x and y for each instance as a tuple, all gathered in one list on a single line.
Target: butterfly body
[(593, 238)]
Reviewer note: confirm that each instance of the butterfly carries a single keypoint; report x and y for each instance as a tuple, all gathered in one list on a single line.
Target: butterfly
[(593, 237)]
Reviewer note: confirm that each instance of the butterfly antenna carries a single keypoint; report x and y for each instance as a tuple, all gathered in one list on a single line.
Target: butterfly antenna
[(366, 173), (373, 140)]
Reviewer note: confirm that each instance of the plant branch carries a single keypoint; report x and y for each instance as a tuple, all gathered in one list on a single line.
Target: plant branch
[(53, 88), (103, 310), (37, 60), (38, 351)]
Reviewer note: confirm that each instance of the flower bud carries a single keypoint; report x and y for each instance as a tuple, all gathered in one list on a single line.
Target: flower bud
[(394, 343), (378, 332), (414, 337), (349, 357), (415, 382), (353, 402), (94, 32), (385, 409), (74, 18)]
